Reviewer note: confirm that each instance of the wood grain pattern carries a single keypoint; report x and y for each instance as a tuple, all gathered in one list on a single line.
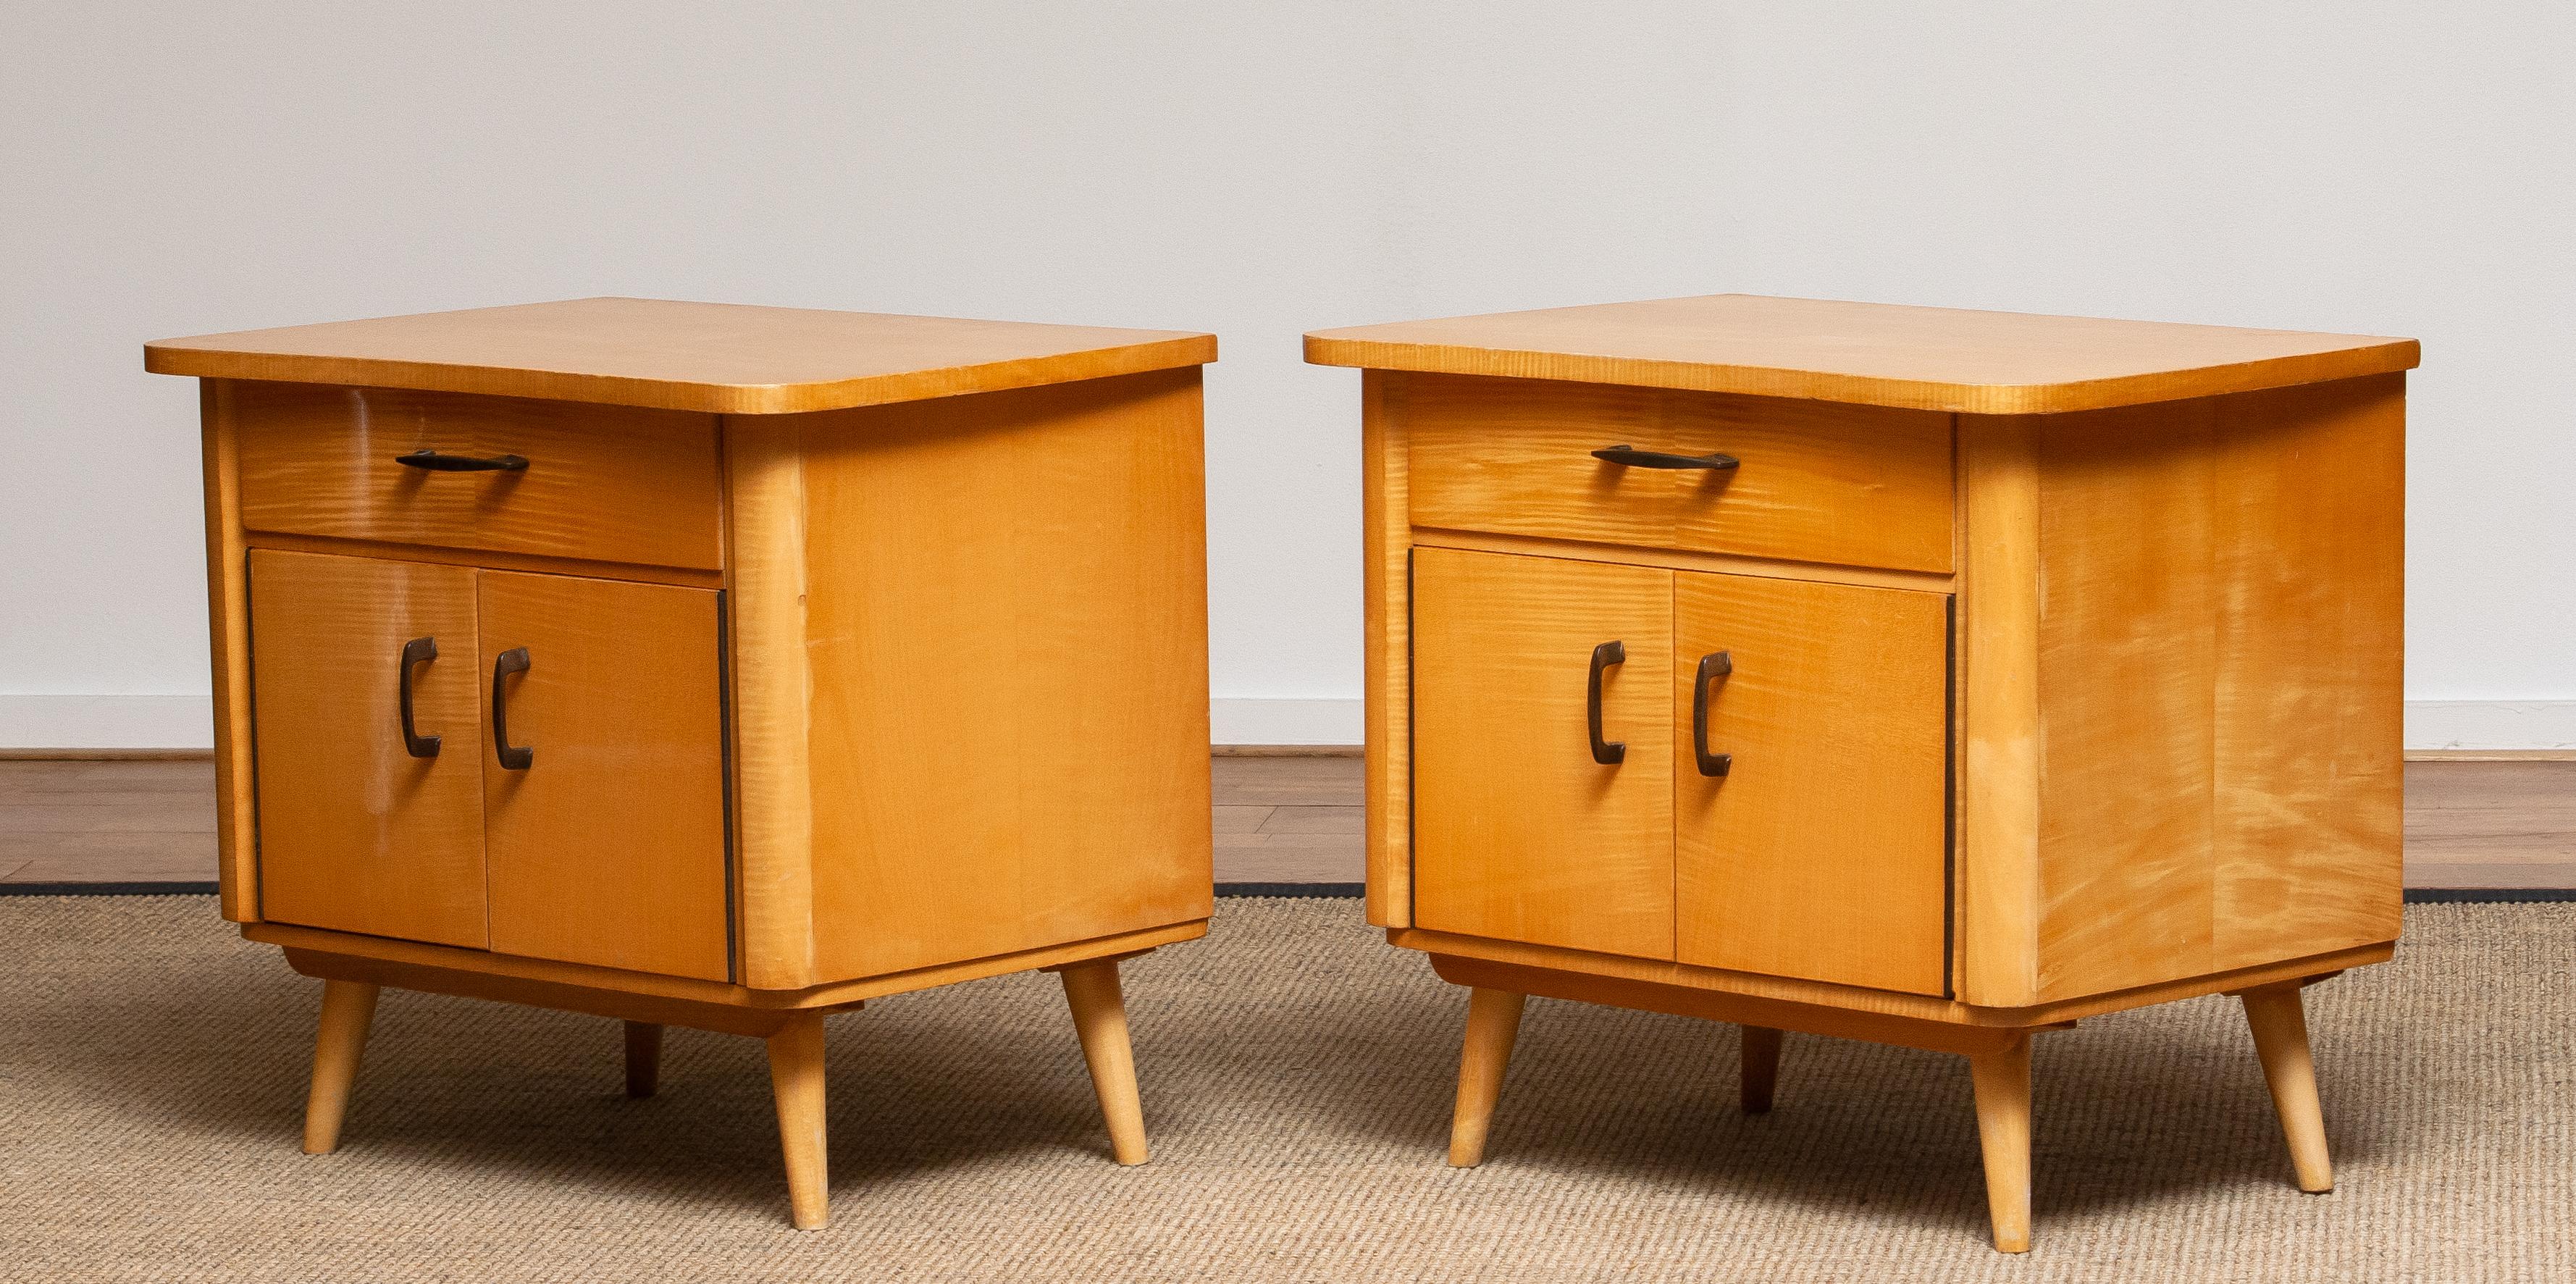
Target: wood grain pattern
[(2002, 1082), (1793, 992), (1386, 586), (796, 1083), (502, 979), (348, 1011), (609, 848), (2247, 659), (710, 357), (1765, 1012), (772, 693), (1682, 560), (609, 484), (1997, 718), (1100, 1022), (1519, 834), (1944, 359), (355, 833), (582, 978), (1821, 853), (1009, 698), (1818, 482), (228, 649), (1493, 1025), (2279, 1023)]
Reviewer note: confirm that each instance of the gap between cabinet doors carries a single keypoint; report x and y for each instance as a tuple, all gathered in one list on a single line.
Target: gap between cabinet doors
[(1822, 849)]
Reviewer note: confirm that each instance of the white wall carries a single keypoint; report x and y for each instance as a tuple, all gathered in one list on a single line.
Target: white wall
[(1260, 170)]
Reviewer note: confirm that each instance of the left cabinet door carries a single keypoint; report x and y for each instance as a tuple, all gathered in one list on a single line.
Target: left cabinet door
[(605, 810), (368, 822)]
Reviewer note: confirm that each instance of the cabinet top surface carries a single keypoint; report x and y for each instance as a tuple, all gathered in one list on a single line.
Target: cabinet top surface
[(1867, 353), (720, 358)]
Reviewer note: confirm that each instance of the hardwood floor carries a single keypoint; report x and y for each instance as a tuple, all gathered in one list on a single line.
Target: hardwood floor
[(2469, 825)]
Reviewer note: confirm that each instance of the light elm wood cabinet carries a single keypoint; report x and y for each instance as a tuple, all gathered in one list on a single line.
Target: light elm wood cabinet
[(720, 666), (1930, 677)]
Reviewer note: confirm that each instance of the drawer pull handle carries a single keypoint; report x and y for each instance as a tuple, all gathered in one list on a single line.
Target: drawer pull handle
[(1714, 665), (438, 463), (1606, 752), (1631, 457), (416, 651), (513, 757)]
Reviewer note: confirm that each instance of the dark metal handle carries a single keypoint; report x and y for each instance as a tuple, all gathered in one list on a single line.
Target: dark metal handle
[(416, 651), (1606, 752), (1714, 665), (513, 758), (1631, 457), (438, 463)]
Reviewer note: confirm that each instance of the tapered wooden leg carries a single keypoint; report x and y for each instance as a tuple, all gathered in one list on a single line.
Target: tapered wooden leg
[(2281, 1040), (643, 1058), (796, 1080), (1100, 1018), (348, 1009), (1761, 1067), (2002, 1080), (1493, 1022)]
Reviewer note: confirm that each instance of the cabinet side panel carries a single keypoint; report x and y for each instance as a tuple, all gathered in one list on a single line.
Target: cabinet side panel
[(2311, 551), (1386, 544), (1998, 712), (765, 626), (2128, 617), (228, 635), (1007, 638), (2220, 683)]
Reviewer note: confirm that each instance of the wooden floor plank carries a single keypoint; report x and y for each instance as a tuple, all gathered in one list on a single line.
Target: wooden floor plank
[(2484, 825)]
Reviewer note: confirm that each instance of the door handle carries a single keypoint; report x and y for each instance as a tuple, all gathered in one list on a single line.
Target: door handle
[(1606, 752), (416, 651), (436, 462), (1631, 457), (513, 757), (1712, 666)]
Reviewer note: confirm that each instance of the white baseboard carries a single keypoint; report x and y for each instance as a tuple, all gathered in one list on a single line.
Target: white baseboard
[(107, 721), (2491, 724), (187, 722), (1239, 721)]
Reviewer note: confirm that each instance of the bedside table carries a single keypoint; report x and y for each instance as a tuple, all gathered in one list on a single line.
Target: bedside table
[(710, 665), (1921, 676)]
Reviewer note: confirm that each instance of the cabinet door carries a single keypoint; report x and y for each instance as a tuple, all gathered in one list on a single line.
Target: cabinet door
[(608, 845), (1520, 832), (362, 829), (1822, 850)]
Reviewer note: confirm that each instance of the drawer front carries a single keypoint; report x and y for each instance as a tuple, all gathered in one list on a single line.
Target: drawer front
[(602, 483), (1813, 482)]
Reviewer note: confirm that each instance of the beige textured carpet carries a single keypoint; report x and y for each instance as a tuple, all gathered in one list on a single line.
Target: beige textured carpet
[(1297, 1075)]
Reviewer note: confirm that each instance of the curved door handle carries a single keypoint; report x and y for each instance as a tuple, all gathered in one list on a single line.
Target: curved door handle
[(416, 651), (513, 757), (1606, 752), (1712, 666), (1631, 457), (439, 463)]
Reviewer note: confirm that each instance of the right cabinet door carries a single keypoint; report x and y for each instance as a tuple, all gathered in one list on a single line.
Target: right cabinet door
[(603, 785), (1811, 767)]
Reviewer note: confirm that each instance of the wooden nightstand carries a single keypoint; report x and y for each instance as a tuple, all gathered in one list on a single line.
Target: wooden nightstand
[(710, 665), (1904, 674)]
